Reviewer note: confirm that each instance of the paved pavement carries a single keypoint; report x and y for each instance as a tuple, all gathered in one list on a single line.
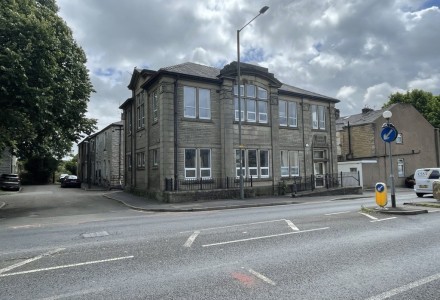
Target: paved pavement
[(141, 203)]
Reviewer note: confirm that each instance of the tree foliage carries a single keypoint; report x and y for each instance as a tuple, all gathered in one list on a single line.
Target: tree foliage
[(425, 102), (40, 169), (72, 165), (44, 83)]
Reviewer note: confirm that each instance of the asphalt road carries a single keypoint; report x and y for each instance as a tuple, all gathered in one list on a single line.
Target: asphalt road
[(72, 244)]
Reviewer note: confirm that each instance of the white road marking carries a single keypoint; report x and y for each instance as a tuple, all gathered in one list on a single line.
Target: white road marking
[(191, 239), (291, 225), (262, 237), (26, 226), (262, 277), (337, 213), (237, 225), (367, 215), (22, 263), (379, 220), (405, 288), (66, 266)]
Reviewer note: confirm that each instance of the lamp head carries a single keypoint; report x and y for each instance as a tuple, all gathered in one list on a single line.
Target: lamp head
[(264, 9), (387, 114)]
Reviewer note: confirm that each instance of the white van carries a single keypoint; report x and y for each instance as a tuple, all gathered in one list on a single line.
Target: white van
[(424, 179)]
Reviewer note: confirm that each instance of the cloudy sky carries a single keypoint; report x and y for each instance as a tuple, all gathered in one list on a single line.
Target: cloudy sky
[(354, 50)]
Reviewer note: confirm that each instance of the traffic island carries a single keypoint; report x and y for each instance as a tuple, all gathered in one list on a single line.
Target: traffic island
[(395, 210)]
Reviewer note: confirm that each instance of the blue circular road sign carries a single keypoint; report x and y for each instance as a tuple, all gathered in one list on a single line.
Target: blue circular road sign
[(388, 134), (380, 187)]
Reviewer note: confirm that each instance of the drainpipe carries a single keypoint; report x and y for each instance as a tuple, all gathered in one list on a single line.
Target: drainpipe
[(304, 137), (349, 140), (175, 132), (331, 137)]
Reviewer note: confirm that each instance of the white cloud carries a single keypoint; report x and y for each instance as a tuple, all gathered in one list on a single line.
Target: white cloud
[(378, 94), (357, 51)]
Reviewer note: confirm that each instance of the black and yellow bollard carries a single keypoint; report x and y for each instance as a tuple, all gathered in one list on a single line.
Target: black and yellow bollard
[(381, 194)]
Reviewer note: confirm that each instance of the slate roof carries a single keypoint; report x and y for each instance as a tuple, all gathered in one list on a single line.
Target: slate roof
[(295, 90), (362, 118), (199, 70), (194, 69)]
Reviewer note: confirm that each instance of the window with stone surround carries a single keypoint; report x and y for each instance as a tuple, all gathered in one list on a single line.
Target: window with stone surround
[(318, 117), (255, 163), (197, 163), (288, 113), (289, 163), (197, 103), (254, 106)]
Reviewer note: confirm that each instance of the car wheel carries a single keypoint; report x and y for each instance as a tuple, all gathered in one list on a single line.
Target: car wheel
[(420, 195)]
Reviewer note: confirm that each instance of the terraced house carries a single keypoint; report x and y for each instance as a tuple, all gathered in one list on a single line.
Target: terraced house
[(182, 132)]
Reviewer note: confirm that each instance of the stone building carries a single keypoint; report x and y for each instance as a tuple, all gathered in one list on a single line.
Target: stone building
[(359, 141), (101, 157), (182, 131), (8, 162)]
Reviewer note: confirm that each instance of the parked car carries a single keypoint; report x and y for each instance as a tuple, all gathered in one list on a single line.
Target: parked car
[(410, 181), (10, 182), (71, 181), (62, 176), (424, 180)]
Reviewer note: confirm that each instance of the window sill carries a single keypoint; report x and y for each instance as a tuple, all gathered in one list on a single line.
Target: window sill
[(197, 120)]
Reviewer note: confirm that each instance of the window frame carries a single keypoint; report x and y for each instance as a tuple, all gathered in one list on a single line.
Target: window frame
[(256, 95), (290, 163), (401, 167), (205, 168), (190, 169), (318, 117), (155, 157), (201, 98), (399, 138)]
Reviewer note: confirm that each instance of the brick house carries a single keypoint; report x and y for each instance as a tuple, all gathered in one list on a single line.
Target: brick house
[(359, 142), (101, 157), (181, 131)]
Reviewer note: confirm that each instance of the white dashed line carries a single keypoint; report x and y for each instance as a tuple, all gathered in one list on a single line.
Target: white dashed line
[(191, 239), (406, 287), (262, 277), (30, 260), (337, 213), (263, 237), (66, 266), (379, 220), (367, 215), (291, 225)]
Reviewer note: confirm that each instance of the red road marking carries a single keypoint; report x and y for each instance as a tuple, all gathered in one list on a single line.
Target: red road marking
[(246, 280)]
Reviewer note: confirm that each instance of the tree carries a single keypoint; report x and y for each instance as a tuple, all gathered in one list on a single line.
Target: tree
[(71, 165), (44, 83), (425, 102), (39, 169)]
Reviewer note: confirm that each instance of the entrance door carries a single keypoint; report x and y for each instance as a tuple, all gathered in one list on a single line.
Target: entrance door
[(319, 174)]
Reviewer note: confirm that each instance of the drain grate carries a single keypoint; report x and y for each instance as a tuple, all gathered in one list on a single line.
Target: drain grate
[(95, 234)]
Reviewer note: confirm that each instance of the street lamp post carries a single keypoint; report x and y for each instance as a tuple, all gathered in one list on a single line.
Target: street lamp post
[(240, 146), (387, 115)]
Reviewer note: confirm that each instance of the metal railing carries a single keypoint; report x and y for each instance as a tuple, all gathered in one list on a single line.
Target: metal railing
[(312, 182), (206, 183)]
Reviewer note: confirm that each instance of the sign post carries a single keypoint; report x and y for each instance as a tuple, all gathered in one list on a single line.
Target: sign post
[(388, 135)]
